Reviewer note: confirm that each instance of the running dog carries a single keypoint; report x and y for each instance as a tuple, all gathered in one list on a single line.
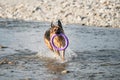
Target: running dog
[(58, 40)]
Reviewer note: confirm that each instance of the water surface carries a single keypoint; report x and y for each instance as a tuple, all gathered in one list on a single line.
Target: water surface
[(93, 53)]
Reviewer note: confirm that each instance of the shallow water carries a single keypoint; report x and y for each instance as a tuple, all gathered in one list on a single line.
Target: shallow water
[(93, 53)]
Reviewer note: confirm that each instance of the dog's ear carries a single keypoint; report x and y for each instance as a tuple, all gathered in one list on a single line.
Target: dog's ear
[(52, 24), (59, 23)]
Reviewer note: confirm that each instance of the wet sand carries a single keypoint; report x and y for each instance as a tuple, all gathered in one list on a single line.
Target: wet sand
[(93, 53)]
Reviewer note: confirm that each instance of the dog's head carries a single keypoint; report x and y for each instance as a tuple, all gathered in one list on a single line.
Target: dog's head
[(56, 29)]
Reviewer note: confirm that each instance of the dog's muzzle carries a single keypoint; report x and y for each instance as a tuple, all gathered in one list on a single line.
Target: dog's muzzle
[(58, 32)]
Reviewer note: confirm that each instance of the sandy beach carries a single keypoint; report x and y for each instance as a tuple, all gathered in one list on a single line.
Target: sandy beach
[(102, 13)]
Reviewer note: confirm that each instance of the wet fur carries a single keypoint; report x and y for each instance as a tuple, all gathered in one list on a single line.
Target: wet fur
[(58, 41)]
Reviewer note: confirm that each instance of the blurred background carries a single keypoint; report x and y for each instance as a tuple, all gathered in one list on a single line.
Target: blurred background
[(102, 13)]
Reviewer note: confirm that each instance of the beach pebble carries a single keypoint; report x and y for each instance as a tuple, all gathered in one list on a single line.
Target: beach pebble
[(91, 12), (2, 47), (10, 62), (64, 72)]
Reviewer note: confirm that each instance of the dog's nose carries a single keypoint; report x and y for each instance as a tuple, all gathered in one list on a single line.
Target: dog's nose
[(58, 32)]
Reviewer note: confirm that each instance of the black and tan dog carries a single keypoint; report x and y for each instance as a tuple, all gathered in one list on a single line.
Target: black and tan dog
[(58, 40)]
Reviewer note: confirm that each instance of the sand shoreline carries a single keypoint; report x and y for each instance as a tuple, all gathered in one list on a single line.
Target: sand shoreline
[(103, 13)]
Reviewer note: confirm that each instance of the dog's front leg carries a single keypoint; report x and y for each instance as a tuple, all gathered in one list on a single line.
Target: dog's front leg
[(63, 55), (57, 53)]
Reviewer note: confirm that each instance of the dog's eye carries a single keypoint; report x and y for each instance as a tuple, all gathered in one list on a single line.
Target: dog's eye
[(55, 29), (58, 28)]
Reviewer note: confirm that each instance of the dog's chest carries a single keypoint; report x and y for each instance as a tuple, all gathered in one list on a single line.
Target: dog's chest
[(59, 41)]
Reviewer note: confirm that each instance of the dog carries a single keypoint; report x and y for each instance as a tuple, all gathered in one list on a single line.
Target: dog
[(58, 40)]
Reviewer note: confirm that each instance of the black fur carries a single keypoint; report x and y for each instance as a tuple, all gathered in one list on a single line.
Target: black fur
[(59, 23), (47, 35)]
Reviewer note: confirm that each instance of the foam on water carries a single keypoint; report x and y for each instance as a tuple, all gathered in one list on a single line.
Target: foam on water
[(45, 53)]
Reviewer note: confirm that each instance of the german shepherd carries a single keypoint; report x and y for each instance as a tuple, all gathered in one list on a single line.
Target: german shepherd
[(58, 40)]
